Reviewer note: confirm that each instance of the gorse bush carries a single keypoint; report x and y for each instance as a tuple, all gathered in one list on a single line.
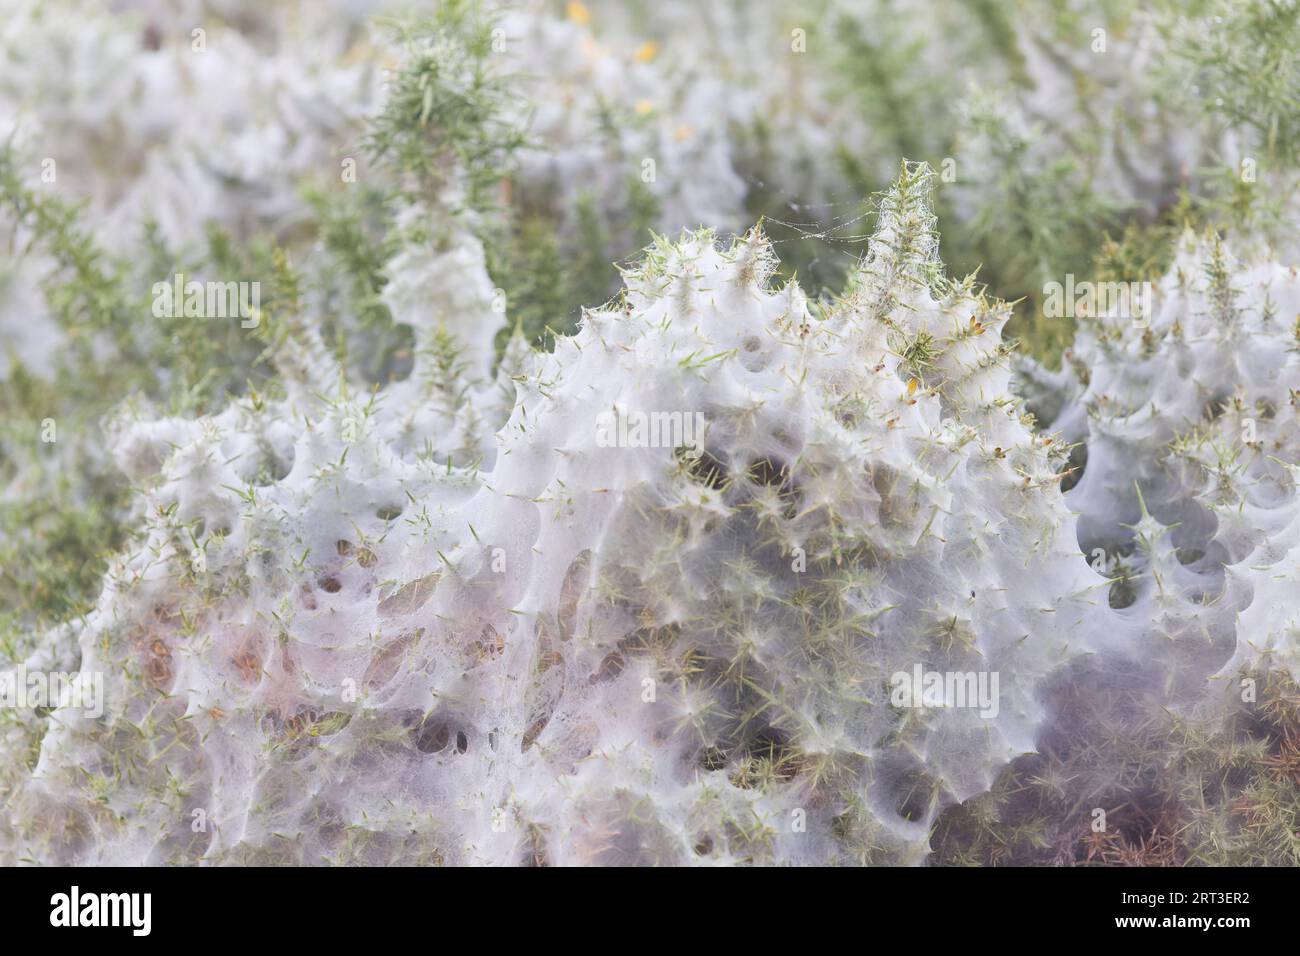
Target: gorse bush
[(569, 440)]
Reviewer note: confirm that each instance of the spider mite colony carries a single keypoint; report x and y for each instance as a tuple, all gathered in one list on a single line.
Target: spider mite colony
[(538, 433)]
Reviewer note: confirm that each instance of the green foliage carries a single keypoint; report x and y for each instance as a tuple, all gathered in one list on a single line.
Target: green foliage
[(443, 119), (68, 511), (1037, 220), (352, 225), (84, 290), (883, 73), (1245, 59), (547, 280), (57, 523), (530, 266), (1143, 252)]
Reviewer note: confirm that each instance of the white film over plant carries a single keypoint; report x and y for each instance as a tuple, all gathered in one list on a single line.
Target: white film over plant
[(646, 676), (412, 559)]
